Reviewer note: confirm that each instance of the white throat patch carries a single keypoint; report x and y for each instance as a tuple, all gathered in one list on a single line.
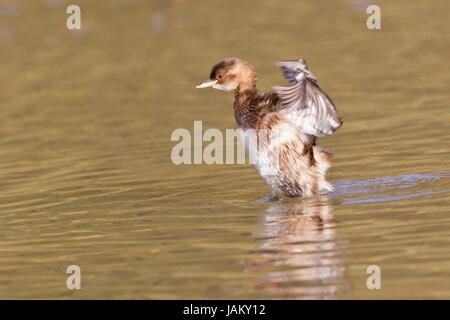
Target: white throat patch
[(222, 87)]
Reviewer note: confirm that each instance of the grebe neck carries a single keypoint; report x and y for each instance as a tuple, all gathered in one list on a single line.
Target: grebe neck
[(245, 106)]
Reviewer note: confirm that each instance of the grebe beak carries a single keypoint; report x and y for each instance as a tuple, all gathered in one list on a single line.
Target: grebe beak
[(206, 84)]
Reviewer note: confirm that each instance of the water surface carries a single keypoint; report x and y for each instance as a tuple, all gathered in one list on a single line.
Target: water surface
[(87, 178)]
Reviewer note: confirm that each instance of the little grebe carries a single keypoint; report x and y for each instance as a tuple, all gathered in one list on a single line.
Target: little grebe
[(287, 122)]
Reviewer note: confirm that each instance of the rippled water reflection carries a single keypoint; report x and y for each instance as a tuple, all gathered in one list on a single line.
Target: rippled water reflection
[(85, 147), (302, 249)]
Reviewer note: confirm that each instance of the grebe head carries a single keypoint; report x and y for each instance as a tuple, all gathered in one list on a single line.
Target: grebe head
[(231, 74)]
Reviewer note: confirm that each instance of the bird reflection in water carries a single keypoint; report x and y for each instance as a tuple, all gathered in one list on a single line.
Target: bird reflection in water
[(301, 251)]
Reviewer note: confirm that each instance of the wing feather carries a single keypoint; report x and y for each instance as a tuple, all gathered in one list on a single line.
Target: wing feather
[(304, 103)]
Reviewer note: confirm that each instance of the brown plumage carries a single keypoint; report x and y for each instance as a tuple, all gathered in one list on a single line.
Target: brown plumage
[(279, 128)]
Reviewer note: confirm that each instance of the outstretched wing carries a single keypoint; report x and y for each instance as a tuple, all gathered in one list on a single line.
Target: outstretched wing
[(304, 103)]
